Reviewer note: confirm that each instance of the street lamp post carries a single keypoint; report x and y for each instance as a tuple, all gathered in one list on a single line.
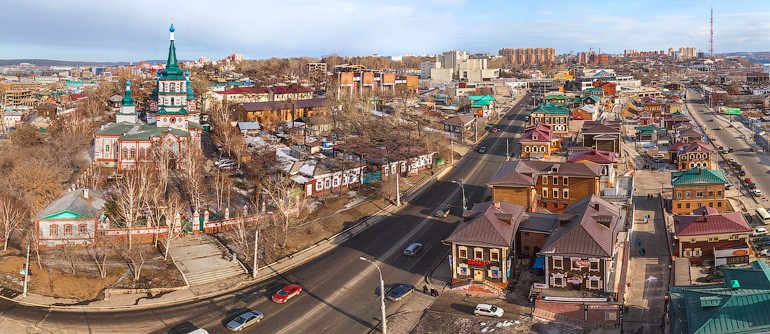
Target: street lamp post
[(463, 191), (382, 295)]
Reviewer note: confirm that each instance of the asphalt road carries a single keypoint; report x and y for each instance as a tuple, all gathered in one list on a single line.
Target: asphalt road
[(340, 291), (730, 137)]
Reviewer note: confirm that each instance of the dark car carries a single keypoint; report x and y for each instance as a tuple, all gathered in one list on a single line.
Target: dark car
[(400, 291), (764, 238), (483, 149), (752, 185), (730, 150), (742, 173)]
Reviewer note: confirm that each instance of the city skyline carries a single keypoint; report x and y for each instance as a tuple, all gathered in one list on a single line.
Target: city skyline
[(106, 31)]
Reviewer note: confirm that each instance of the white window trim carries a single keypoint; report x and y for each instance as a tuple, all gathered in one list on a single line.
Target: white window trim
[(697, 252), (459, 248), (565, 193), (476, 249), (559, 258), (496, 252)]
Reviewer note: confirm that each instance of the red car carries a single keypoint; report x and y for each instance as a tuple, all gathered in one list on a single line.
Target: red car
[(287, 292), (495, 130)]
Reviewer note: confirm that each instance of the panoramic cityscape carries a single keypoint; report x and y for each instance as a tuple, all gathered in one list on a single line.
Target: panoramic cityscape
[(352, 167)]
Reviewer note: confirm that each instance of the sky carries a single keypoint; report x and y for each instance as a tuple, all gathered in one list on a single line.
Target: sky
[(109, 30)]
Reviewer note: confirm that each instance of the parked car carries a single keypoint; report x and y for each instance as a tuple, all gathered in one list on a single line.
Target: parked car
[(741, 173), (765, 252), (763, 244), (753, 186), (223, 161), (718, 128), (494, 130), (483, 149), (443, 211), (759, 231), (761, 239), (413, 249), (742, 137), (399, 292), (756, 192), (729, 186), (244, 320), (731, 160), (286, 293), (488, 310), (730, 150)]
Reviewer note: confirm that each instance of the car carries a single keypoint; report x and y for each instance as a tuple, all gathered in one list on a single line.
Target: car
[(742, 137), (731, 160), (245, 319), (400, 291), (765, 252), (413, 249), (756, 192), (759, 231), (721, 148), (443, 211), (718, 128), (764, 244), (752, 149), (286, 293), (494, 130), (488, 310), (762, 239), (729, 186), (223, 161), (483, 149), (226, 164), (526, 118), (741, 173), (730, 150), (753, 186)]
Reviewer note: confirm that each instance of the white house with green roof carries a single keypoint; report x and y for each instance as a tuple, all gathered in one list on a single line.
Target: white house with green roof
[(72, 219), (554, 114), (173, 122)]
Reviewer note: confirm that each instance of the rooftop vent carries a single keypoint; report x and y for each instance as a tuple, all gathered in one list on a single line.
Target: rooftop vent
[(711, 301), (734, 284)]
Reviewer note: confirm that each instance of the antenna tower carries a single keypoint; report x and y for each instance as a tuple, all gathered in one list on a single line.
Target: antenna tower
[(711, 34)]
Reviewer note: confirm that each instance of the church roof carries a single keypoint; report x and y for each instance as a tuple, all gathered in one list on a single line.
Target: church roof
[(172, 71)]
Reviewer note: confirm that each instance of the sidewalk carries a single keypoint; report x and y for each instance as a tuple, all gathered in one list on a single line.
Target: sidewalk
[(160, 298)]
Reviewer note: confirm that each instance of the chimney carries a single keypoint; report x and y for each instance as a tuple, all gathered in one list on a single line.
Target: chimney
[(85, 193), (496, 204), (596, 206)]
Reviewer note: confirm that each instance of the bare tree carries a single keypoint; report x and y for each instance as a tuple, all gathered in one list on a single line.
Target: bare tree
[(193, 173), (287, 200), (99, 250), (12, 214), (129, 198), (172, 213)]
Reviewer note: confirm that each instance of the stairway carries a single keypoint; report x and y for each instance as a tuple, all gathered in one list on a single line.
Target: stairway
[(202, 259)]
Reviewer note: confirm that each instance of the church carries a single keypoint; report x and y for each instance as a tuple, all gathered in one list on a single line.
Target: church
[(172, 122)]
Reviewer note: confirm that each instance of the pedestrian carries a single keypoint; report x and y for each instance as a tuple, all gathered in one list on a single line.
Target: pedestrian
[(639, 242), (644, 252), (640, 251), (425, 289)]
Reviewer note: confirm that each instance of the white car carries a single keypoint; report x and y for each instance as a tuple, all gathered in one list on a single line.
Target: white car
[(765, 252), (759, 231), (756, 192), (245, 319), (488, 310)]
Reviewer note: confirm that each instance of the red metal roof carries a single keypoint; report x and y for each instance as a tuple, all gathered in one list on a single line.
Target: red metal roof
[(596, 156), (706, 221)]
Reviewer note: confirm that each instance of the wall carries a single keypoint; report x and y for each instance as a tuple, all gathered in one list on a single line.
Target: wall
[(531, 243), (519, 195), (579, 188), (686, 204)]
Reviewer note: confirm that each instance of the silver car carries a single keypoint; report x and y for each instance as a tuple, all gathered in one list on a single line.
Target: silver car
[(245, 319)]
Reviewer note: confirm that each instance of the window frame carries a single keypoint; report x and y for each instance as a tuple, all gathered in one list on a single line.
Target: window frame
[(561, 262), (462, 252)]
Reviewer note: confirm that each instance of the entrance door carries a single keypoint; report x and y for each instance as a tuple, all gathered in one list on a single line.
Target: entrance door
[(478, 275)]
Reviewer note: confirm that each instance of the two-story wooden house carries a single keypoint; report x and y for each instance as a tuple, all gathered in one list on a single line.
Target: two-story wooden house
[(695, 154), (539, 141), (698, 187), (601, 136), (604, 159), (707, 234), (580, 253), (552, 114), (544, 184)]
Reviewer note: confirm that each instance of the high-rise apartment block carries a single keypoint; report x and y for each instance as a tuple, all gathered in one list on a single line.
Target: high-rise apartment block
[(528, 56)]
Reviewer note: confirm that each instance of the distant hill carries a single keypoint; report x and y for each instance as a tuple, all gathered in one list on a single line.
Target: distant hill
[(755, 55), (51, 62)]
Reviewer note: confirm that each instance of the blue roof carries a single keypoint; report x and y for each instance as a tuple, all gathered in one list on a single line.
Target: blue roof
[(249, 126)]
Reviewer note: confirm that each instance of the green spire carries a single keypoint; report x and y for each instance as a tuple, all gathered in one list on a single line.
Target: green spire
[(172, 68), (128, 100)]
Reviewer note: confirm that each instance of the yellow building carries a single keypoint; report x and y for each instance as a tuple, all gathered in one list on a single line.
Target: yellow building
[(698, 187)]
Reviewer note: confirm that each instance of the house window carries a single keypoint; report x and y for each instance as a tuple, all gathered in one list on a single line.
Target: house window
[(132, 153), (594, 266), (558, 280), (678, 205), (719, 204), (678, 194), (327, 183), (687, 194), (565, 193), (526, 149), (556, 180), (494, 255), (67, 230), (556, 193), (697, 252), (545, 192), (687, 252), (565, 181), (713, 239), (107, 148), (172, 101), (125, 153), (711, 193), (719, 193), (319, 186), (735, 237), (699, 194), (82, 229), (462, 252), (478, 253), (687, 205), (594, 283), (558, 262), (54, 230), (545, 180)]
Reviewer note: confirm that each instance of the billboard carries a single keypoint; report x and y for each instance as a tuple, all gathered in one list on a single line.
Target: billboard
[(730, 111)]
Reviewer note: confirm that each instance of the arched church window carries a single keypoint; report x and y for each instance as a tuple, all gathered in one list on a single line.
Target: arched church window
[(125, 153), (132, 153)]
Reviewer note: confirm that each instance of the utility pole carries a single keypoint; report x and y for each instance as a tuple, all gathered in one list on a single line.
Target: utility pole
[(256, 252), (452, 151), (398, 189), (476, 135), (507, 150), (26, 273)]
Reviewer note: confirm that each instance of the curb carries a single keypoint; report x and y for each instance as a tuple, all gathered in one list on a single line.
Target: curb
[(351, 231)]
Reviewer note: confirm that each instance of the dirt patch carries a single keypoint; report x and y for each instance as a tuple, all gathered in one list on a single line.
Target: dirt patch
[(437, 322)]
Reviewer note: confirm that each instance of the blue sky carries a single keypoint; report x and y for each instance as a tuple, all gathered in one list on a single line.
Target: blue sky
[(136, 30)]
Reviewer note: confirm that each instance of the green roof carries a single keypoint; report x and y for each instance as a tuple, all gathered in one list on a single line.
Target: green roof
[(698, 176), (594, 89), (163, 111), (555, 97), (594, 97), (646, 132), (648, 128), (481, 103), (150, 131), (481, 98), (116, 129), (729, 307), (552, 110), (128, 100)]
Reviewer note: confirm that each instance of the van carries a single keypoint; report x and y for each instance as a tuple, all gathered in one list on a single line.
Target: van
[(413, 249), (763, 216)]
